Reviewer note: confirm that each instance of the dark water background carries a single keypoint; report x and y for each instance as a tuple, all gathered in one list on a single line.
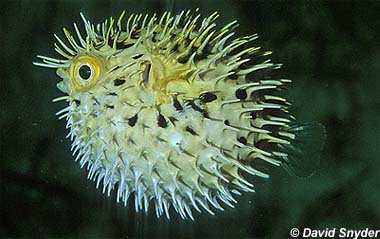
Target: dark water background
[(331, 50)]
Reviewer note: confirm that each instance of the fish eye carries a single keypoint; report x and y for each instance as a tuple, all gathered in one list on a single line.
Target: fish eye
[(85, 72)]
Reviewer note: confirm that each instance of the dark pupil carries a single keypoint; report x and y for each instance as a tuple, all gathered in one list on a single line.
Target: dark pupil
[(85, 72)]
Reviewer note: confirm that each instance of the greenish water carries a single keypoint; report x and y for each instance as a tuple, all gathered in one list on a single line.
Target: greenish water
[(331, 51)]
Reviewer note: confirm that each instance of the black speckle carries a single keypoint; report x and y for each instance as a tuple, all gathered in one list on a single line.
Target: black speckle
[(114, 68), (96, 101), (137, 56), (146, 72), (242, 140), (241, 94), (199, 109), (175, 48), (173, 120), (190, 130), (135, 34), (232, 76), (110, 42), (123, 45), (183, 60), (253, 115), (202, 56), (208, 97), (118, 82), (161, 121), (112, 93), (226, 122), (110, 106), (176, 104), (132, 121), (77, 102), (265, 145), (119, 44)]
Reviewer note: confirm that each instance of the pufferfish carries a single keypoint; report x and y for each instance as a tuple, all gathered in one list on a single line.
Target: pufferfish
[(176, 112)]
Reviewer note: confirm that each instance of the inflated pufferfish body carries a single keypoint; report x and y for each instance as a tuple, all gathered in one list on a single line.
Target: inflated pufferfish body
[(175, 111)]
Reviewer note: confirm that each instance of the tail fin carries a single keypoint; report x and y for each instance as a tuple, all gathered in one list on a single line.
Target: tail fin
[(304, 151)]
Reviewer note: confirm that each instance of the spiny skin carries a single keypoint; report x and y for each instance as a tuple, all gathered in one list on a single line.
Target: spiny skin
[(174, 111)]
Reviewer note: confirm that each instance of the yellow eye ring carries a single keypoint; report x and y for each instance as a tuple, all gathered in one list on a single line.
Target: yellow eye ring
[(85, 72)]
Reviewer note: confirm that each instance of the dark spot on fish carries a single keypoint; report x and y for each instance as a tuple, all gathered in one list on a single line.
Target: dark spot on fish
[(184, 59), (77, 102), (146, 72), (232, 76), (242, 140), (118, 82), (119, 44), (199, 109), (265, 145), (241, 94), (176, 104), (96, 101), (110, 106), (129, 45), (110, 42), (132, 141), (190, 130), (226, 122), (172, 120), (137, 56), (208, 97), (161, 121), (112, 93), (175, 48), (202, 56), (135, 35), (123, 45), (132, 121), (114, 68)]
